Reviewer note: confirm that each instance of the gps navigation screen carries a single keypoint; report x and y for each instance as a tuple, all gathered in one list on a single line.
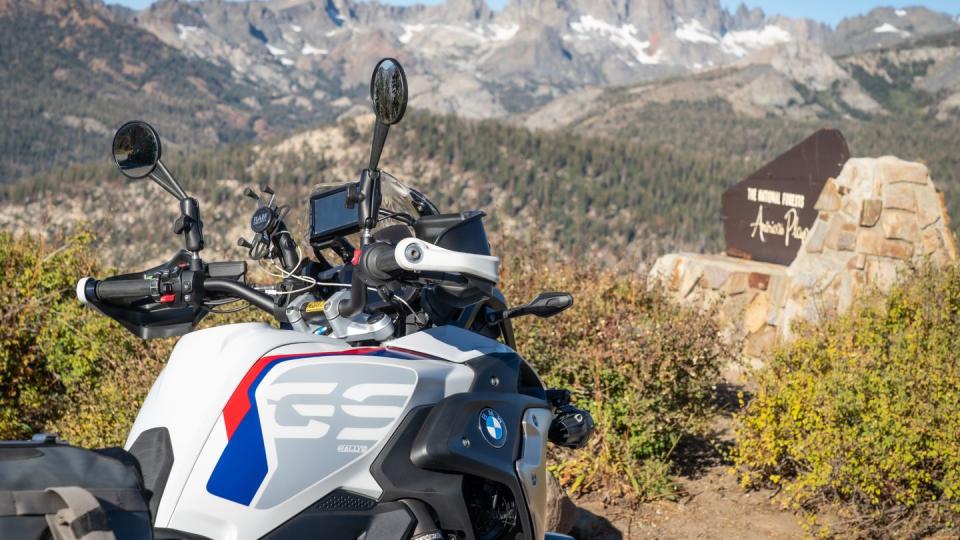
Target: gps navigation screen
[(330, 216)]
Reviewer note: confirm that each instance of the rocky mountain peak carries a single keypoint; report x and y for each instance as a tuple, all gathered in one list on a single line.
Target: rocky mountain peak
[(463, 11), (885, 27), (745, 17), (176, 11), (646, 16), (51, 6), (493, 63)]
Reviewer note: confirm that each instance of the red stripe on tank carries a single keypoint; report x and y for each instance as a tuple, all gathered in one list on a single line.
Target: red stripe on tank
[(239, 403)]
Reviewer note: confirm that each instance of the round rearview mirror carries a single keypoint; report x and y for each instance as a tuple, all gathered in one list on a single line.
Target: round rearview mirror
[(388, 90), (136, 149)]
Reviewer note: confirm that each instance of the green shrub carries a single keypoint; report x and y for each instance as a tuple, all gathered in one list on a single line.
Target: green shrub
[(63, 367), (642, 365), (864, 411)]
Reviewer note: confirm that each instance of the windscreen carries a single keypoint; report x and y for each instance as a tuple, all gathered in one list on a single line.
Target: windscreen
[(330, 215)]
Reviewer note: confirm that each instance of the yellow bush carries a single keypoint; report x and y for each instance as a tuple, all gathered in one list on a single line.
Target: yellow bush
[(63, 367), (865, 411), (644, 366), (66, 368)]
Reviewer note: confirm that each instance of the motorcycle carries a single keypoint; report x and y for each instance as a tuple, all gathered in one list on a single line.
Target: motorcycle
[(390, 401)]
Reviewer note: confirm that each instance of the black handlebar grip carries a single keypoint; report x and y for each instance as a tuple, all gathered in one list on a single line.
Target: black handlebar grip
[(387, 262), (123, 288), (380, 262)]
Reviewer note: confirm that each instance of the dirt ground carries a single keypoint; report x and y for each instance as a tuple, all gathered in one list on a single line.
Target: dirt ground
[(712, 505)]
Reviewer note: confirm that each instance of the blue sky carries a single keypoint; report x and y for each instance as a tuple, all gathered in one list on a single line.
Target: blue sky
[(829, 11)]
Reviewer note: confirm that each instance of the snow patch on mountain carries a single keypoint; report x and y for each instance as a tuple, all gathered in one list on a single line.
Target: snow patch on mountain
[(887, 28), (624, 36), (409, 30), (503, 32), (276, 51), (901, 12), (184, 31), (741, 42), (694, 32), (480, 33), (286, 61), (309, 49), (296, 28)]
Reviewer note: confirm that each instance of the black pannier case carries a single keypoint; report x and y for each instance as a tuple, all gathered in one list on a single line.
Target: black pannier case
[(51, 490)]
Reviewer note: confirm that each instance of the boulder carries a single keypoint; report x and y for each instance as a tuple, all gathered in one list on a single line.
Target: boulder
[(870, 212), (736, 284), (900, 225), (929, 206), (893, 171), (899, 196), (829, 199)]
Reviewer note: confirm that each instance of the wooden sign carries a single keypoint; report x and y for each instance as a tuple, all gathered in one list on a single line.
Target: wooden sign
[(766, 216)]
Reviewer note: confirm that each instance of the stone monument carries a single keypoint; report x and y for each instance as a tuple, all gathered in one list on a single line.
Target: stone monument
[(808, 234)]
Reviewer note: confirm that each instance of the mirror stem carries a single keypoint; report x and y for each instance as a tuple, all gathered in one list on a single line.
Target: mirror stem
[(369, 202), (162, 176), (370, 183), (190, 226), (380, 131), (507, 314)]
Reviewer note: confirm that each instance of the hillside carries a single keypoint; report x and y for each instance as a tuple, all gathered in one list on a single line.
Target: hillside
[(579, 194), (794, 81), (650, 189), (596, 136), (71, 72), (886, 27)]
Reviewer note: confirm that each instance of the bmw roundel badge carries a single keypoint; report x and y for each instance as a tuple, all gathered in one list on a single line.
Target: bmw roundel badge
[(493, 428)]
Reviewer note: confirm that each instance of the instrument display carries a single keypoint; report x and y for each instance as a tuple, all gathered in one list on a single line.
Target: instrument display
[(330, 217)]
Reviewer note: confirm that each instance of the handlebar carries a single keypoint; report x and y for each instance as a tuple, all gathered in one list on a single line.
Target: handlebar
[(254, 297), (128, 291), (175, 286)]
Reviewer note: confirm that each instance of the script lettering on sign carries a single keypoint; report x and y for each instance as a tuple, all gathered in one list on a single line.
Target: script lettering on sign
[(767, 215), (787, 227)]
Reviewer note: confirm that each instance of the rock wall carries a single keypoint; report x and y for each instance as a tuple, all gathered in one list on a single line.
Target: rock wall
[(879, 217)]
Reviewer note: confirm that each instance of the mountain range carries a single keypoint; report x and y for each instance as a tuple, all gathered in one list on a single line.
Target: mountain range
[(916, 80), (208, 72), (475, 62)]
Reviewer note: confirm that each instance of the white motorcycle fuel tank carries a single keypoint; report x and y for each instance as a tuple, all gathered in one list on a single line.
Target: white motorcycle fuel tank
[(262, 423)]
